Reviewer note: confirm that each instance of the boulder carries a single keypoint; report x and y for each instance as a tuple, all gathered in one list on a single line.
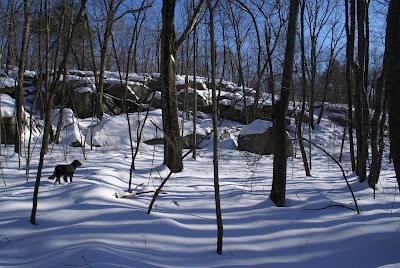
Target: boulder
[(7, 120), (135, 91), (70, 133), (7, 128), (203, 100), (338, 118), (187, 141), (258, 138), (119, 90), (82, 101)]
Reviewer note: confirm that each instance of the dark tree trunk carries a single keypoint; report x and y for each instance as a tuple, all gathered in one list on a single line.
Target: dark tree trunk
[(278, 191), (350, 32), (299, 118), (172, 141), (218, 211), (19, 90), (361, 103), (195, 54), (169, 48), (392, 81), (376, 138), (47, 127)]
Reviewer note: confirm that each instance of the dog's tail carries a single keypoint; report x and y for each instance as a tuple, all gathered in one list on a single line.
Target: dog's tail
[(52, 177)]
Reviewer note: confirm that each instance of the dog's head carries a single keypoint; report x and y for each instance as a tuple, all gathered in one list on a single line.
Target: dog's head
[(76, 163)]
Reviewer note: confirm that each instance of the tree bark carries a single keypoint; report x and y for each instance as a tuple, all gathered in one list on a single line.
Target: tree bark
[(299, 118), (215, 132), (172, 141), (278, 191), (169, 48), (350, 32), (195, 54), (376, 142), (19, 91), (361, 104), (47, 127), (392, 81)]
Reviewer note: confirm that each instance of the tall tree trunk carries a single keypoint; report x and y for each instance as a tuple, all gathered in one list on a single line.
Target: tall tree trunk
[(350, 32), (172, 140), (361, 103), (303, 93), (313, 62), (278, 191), (103, 58), (254, 113), (169, 48), (392, 81), (49, 107), (215, 131), (375, 143), (19, 91), (194, 91)]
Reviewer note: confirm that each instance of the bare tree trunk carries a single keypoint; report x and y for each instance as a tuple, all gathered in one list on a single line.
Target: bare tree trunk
[(195, 52), (49, 107), (19, 91), (278, 191), (259, 69), (92, 53), (103, 58), (172, 141), (361, 105), (169, 48), (303, 93), (392, 81), (215, 132), (350, 33), (332, 56), (376, 154)]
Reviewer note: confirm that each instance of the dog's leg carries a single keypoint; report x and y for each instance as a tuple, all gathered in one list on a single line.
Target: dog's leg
[(65, 178), (57, 180)]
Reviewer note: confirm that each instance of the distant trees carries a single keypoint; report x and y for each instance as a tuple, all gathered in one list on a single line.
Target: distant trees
[(145, 36)]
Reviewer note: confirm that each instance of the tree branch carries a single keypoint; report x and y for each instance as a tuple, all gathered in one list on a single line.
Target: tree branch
[(190, 26)]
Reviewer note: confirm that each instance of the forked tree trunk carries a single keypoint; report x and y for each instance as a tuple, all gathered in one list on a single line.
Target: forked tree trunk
[(278, 191), (169, 48)]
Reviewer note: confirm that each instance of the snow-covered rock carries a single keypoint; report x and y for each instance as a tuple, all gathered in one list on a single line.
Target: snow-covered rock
[(258, 138)]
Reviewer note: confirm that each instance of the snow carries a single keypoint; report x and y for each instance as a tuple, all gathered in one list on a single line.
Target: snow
[(113, 131), (83, 224), (7, 82), (7, 106), (256, 127)]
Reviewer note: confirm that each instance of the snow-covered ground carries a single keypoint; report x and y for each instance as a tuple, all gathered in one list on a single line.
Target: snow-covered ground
[(83, 224)]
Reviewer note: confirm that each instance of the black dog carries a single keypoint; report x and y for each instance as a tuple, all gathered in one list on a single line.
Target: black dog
[(65, 171)]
